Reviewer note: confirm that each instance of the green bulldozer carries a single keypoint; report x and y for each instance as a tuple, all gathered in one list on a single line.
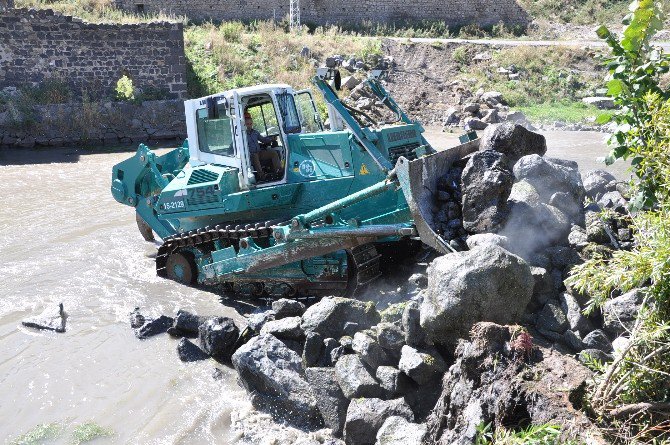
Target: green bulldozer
[(313, 227)]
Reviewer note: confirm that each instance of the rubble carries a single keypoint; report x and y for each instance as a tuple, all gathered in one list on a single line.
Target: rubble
[(52, 319)]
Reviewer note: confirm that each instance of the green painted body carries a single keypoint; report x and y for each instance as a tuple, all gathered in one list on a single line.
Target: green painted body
[(348, 186)]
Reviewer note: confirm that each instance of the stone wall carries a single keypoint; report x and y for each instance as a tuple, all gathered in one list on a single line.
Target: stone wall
[(91, 123), (42, 45), (453, 12)]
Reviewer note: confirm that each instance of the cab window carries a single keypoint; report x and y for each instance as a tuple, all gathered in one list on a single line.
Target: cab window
[(309, 117), (215, 134)]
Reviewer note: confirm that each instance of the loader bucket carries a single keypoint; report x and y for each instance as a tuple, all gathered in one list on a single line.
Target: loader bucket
[(418, 180)]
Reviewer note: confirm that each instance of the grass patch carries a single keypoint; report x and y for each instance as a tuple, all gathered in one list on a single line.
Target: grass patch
[(87, 432), (39, 434), (578, 12), (568, 112), (546, 74), (234, 55)]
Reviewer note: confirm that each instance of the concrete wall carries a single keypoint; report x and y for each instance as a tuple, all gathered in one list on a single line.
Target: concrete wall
[(453, 12), (40, 45), (91, 123)]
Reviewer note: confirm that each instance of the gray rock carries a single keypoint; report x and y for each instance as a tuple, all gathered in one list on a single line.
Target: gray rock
[(256, 321), (573, 313), (485, 283), (312, 350), (329, 398), (398, 431), (475, 124), (587, 355), (157, 326), (544, 223), (486, 184), (190, 352), (391, 379), (513, 140), (552, 318), (573, 340), (619, 345), (421, 366), (483, 239), (274, 377), (471, 108), (218, 337), (370, 350), (549, 176), (492, 98), (187, 324), (355, 378), (612, 200), (452, 117), (411, 325), (569, 205), (366, 416), (597, 340), (136, 318), (330, 352), (577, 237), (285, 328), (596, 183), (562, 257), (54, 319), (619, 313), (329, 316), (350, 82), (603, 103), (287, 308), (390, 337), (491, 117)]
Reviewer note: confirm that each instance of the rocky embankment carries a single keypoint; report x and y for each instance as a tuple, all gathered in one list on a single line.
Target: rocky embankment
[(489, 335)]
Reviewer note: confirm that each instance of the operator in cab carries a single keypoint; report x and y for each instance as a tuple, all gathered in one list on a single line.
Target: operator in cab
[(258, 154)]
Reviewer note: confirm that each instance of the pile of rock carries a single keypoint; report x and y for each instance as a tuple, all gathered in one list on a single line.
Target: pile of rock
[(340, 365), (481, 109), (535, 207), (218, 337)]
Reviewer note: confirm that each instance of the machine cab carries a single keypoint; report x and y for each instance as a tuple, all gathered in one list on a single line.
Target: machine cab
[(218, 132)]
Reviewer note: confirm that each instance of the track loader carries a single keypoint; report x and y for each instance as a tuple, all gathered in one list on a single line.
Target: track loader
[(311, 229)]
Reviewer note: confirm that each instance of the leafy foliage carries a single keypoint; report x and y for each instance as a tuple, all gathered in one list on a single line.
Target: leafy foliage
[(632, 395), (635, 68), (546, 434)]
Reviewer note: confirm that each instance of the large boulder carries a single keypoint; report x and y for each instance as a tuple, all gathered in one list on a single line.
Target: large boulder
[(421, 366), (187, 324), (370, 350), (287, 308), (549, 176), (486, 184), (329, 398), (597, 183), (153, 327), (619, 313), (532, 224), (274, 377), (398, 431), (485, 283), (190, 352), (286, 328), (329, 316), (366, 416), (218, 337), (513, 140), (356, 379)]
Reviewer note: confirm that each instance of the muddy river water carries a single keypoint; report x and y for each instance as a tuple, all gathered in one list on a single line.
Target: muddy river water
[(64, 239)]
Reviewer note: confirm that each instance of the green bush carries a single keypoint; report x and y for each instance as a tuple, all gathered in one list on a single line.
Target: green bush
[(124, 89)]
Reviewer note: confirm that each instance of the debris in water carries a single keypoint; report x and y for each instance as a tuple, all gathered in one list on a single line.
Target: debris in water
[(48, 320)]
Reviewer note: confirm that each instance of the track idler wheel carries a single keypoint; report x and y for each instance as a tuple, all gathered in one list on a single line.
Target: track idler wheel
[(181, 267)]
